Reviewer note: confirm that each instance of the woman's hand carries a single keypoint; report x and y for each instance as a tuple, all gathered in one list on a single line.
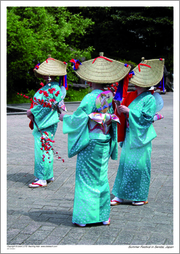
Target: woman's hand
[(122, 109), (30, 115), (61, 116)]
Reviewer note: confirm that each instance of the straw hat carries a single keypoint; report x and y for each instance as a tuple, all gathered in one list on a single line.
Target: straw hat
[(148, 72), (50, 67), (102, 70)]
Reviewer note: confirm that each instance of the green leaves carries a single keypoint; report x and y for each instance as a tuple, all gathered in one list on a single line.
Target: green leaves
[(35, 32), (82, 32)]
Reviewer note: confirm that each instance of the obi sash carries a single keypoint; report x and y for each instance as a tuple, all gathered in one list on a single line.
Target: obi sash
[(101, 122)]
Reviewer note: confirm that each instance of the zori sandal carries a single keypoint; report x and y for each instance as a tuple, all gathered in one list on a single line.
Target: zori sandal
[(48, 180), (79, 225), (39, 183), (138, 203), (116, 201), (106, 222)]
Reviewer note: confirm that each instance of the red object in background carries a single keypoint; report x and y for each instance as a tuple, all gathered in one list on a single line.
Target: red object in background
[(122, 127)]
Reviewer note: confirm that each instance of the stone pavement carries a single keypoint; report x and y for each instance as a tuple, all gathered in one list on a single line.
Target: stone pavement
[(42, 216)]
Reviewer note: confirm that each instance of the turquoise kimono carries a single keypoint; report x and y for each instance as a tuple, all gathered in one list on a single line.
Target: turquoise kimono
[(93, 148), (134, 172), (47, 120)]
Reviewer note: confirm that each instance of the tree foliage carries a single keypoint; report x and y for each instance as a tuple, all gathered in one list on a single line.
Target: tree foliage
[(122, 33), (130, 32), (35, 32)]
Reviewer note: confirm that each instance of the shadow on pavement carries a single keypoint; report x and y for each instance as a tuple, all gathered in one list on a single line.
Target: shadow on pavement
[(55, 217), (22, 177)]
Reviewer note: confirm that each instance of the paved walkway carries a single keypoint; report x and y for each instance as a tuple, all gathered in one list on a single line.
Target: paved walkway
[(43, 216)]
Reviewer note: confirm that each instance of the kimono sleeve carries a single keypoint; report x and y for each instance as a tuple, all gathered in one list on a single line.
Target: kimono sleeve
[(44, 116), (140, 123), (113, 142), (76, 126)]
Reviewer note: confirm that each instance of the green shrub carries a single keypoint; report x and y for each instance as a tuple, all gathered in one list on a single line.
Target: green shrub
[(76, 94), (18, 98), (72, 95)]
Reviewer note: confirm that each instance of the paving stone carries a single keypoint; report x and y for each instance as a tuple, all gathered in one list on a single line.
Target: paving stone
[(11, 233), (71, 238), (51, 240), (107, 237), (40, 235), (124, 238), (105, 241), (156, 239), (34, 242), (60, 231), (31, 228), (44, 228), (19, 239), (20, 226), (87, 241), (169, 241), (164, 228), (162, 219), (143, 238)]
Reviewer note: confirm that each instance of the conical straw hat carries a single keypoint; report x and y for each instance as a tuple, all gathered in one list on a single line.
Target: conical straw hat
[(148, 73), (102, 70), (51, 67)]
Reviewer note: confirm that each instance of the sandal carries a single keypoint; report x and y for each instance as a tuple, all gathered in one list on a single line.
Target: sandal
[(116, 201), (79, 225), (138, 203), (48, 180), (106, 222), (39, 183)]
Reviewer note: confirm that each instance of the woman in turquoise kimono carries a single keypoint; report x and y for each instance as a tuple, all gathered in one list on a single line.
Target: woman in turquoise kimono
[(44, 119), (92, 135), (136, 134)]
